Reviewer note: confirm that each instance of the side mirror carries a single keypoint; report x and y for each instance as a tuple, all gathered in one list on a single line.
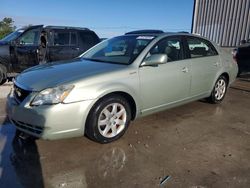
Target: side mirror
[(13, 42), (17, 42), (155, 59)]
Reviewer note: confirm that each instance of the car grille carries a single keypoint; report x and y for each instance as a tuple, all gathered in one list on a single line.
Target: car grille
[(31, 128), (20, 94)]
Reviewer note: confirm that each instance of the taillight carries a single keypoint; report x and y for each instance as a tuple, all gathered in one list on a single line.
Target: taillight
[(234, 53)]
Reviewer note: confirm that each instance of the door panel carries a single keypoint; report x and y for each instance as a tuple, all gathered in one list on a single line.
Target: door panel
[(164, 84), (57, 53), (167, 83), (205, 63), (204, 71), (26, 49), (26, 57), (64, 45)]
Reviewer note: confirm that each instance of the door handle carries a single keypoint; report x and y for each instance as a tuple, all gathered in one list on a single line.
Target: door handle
[(216, 64), (184, 69), (76, 48)]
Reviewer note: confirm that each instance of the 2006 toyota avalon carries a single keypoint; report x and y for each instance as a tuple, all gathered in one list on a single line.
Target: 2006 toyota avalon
[(117, 81)]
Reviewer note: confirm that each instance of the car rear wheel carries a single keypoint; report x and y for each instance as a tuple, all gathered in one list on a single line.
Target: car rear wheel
[(108, 119), (219, 90)]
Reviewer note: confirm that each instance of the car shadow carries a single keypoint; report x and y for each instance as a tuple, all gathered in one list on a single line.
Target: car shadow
[(240, 89), (243, 83), (19, 159), (245, 77)]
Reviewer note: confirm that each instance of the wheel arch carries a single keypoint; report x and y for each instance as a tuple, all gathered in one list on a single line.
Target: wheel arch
[(127, 96), (223, 73), (4, 68), (212, 98), (226, 76)]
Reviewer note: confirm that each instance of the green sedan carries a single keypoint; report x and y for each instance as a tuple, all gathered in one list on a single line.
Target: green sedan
[(116, 81)]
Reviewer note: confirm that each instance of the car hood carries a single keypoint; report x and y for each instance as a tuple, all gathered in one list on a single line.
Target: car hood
[(64, 72), (3, 42)]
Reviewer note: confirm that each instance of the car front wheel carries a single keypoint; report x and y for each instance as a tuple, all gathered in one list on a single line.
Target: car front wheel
[(219, 90), (108, 119)]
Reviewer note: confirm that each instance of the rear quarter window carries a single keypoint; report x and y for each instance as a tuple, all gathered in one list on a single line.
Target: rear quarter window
[(87, 39)]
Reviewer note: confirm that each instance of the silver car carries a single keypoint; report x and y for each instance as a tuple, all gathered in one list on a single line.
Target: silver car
[(117, 81)]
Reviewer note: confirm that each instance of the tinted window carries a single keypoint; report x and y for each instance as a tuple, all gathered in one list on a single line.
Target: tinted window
[(30, 37), (169, 46), (88, 39), (200, 48), (73, 39), (61, 38)]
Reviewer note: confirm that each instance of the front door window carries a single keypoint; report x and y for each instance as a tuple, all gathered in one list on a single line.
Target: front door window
[(169, 46), (30, 38)]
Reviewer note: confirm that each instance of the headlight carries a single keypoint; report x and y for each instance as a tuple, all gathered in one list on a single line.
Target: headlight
[(52, 95)]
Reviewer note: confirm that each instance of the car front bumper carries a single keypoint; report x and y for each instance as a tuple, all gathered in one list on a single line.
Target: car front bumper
[(49, 121)]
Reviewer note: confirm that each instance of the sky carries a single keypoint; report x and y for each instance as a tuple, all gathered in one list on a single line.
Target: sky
[(107, 18)]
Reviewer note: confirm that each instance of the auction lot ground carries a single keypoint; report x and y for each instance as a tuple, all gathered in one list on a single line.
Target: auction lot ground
[(199, 145)]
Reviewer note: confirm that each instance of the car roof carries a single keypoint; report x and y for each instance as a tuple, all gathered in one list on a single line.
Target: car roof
[(161, 34), (154, 32), (145, 31), (158, 33), (55, 27), (65, 27)]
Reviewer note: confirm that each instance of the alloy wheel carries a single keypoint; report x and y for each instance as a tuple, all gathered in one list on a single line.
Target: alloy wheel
[(112, 120), (220, 89)]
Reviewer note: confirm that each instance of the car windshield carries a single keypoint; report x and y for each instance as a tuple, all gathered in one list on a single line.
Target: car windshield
[(13, 35), (118, 50)]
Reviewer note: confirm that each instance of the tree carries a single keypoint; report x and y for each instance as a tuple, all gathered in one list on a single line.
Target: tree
[(6, 27)]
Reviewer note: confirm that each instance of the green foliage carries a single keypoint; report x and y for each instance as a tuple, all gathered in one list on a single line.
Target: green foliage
[(6, 27)]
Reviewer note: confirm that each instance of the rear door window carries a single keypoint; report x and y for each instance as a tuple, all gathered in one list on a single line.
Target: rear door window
[(65, 38), (73, 39), (61, 38), (200, 48)]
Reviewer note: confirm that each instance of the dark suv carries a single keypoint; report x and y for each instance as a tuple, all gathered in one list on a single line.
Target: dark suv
[(35, 45), (242, 56)]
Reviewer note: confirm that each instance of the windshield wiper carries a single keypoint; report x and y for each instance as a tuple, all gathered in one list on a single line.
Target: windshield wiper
[(104, 61), (97, 60)]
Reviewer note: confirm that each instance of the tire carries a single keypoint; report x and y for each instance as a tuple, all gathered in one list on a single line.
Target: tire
[(219, 90), (108, 119), (2, 77), (3, 81)]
